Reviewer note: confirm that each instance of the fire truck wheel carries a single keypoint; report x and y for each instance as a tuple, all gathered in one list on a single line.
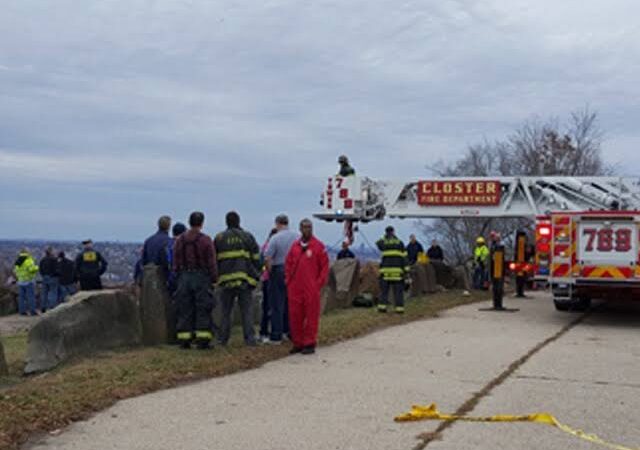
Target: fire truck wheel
[(562, 305)]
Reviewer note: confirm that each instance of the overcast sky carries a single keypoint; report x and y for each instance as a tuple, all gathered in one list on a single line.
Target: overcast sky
[(113, 112)]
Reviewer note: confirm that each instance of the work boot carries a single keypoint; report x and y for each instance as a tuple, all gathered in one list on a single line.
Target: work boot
[(295, 350), (204, 345), (185, 345), (308, 350), (382, 308), (399, 309)]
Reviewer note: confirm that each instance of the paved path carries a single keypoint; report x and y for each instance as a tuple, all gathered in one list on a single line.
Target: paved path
[(346, 396)]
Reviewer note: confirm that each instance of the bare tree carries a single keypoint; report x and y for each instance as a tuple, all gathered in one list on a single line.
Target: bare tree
[(537, 148)]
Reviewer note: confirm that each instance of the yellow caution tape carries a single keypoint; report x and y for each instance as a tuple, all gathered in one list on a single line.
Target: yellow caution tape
[(431, 413)]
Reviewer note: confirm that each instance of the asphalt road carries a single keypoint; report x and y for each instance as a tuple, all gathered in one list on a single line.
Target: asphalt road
[(586, 372)]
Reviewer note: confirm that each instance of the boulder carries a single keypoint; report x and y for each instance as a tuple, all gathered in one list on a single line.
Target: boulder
[(419, 280), (444, 274), (4, 370), (157, 311), (8, 301), (88, 322), (369, 282), (432, 282), (461, 278), (342, 287)]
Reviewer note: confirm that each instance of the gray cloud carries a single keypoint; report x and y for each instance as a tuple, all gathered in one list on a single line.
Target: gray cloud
[(254, 100)]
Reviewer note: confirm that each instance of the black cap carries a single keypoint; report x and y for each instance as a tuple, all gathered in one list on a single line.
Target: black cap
[(178, 229), (87, 241), (389, 229)]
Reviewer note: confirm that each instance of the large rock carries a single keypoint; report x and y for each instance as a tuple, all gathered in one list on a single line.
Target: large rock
[(461, 278), (444, 274), (419, 280), (8, 301), (432, 282), (342, 287), (90, 321), (370, 280), (157, 311), (4, 370)]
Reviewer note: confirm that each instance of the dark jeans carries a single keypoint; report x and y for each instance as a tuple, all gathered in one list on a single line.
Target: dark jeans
[(50, 292), (27, 298), (398, 292), (479, 277), (266, 312), (245, 300), (278, 303), (66, 291), (193, 299), (90, 283)]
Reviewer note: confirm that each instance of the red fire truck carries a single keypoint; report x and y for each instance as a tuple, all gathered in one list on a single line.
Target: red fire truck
[(589, 254), (587, 228)]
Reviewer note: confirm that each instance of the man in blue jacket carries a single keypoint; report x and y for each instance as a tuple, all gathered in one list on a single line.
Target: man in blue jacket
[(155, 250)]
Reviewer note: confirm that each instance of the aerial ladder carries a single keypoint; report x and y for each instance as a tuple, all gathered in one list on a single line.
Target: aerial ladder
[(587, 228)]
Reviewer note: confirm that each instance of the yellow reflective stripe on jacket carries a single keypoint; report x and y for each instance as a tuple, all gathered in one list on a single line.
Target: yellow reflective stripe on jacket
[(391, 253), (392, 270), (232, 254), (235, 276)]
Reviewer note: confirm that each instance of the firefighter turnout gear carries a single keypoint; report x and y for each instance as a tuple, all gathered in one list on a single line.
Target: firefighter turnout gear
[(90, 266), (194, 262), (238, 258), (394, 268)]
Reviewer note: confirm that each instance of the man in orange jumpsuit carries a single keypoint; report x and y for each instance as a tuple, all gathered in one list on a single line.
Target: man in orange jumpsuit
[(306, 271)]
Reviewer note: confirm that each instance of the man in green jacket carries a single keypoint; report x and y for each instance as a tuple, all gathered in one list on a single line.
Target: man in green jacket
[(26, 269), (238, 257)]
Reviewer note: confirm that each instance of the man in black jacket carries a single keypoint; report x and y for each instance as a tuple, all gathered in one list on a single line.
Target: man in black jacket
[(90, 266), (413, 249), (435, 252), (67, 274), (50, 281)]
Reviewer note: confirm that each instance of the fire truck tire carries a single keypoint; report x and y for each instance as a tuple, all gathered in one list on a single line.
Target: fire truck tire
[(562, 305)]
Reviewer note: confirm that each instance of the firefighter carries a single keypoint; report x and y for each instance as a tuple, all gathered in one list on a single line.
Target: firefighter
[(480, 262), (238, 257), (394, 270), (90, 266), (345, 168), (194, 260), (306, 272)]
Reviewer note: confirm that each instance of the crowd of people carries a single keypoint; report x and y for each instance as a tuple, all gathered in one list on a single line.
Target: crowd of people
[(59, 276), (291, 267)]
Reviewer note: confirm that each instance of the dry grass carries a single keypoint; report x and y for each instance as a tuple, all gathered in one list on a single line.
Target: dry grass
[(51, 401)]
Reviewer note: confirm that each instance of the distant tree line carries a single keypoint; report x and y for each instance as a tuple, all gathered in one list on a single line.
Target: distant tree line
[(549, 147)]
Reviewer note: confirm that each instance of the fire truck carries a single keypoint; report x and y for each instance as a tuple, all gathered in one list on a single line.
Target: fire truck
[(587, 234)]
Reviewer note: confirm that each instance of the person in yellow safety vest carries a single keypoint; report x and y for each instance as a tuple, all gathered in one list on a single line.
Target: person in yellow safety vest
[(394, 268), (26, 269), (481, 263)]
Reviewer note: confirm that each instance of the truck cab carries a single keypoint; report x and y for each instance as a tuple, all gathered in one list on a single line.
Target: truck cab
[(589, 255)]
